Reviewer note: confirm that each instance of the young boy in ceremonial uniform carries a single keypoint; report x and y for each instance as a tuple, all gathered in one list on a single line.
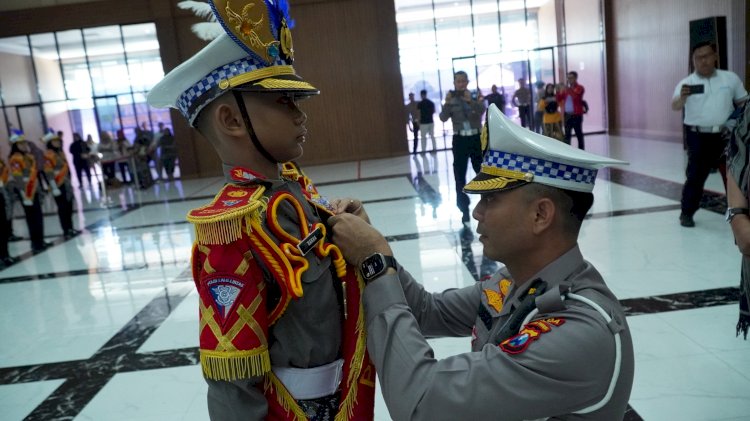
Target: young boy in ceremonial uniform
[(5, 216), (58, 173), (25, 177), (281, 327)]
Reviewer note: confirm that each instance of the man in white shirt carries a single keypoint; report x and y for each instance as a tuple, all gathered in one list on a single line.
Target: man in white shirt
[(708, 96)]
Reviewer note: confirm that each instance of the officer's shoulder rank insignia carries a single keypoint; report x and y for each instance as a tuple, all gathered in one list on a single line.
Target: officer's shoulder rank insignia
[(530, 333), (496, 298), (223, 220)]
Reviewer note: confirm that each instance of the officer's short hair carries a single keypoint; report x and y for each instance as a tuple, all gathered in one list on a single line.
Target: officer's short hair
[(459, 73), (574, 205), (703, 44)]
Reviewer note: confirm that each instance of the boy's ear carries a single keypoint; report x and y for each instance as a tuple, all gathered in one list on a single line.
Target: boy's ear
[(227, 120)]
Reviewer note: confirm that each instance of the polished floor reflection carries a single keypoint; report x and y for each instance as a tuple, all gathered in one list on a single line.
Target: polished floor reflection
[(103, 326)]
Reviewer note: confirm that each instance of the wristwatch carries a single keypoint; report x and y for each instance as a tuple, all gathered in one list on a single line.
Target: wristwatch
[(376, 265), (732, 212)]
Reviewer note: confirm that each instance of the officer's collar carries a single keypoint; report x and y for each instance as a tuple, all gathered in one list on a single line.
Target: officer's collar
[(242, 176), (553, 274)]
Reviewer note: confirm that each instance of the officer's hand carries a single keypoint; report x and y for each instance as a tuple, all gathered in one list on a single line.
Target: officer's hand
[(356, 238), (467, 96), (684, 92), (349, 205), (448, 96)]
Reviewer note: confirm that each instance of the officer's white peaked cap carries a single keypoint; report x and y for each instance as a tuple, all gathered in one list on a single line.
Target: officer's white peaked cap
[(514, 156)]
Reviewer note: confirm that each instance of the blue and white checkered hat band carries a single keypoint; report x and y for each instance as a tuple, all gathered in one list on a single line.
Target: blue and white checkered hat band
[(539, 167), (202, 92)]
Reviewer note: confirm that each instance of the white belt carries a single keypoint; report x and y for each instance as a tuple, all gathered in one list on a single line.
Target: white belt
[(471, 132), (311, 383), (705, 129)]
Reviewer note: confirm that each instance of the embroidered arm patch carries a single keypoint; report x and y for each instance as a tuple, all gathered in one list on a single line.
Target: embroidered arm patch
[(530, 333)]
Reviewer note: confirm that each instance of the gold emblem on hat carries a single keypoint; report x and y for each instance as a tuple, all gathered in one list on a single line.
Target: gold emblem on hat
[(250, 25)]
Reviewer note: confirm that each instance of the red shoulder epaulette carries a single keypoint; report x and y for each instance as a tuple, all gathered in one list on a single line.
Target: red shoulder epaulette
[(222, 221)]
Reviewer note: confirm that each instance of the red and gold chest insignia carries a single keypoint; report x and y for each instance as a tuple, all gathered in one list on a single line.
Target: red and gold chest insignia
[(496, 299), (530, 333)]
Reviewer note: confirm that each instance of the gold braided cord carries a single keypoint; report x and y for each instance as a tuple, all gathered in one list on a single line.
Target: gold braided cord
[(485, 185), (284, 84), (283, 396), (289, 274), (346, 408), (263, 73), (235, 365), (503, 172)]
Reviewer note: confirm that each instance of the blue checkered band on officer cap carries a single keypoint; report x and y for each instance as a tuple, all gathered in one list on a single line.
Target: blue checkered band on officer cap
[(539, 167), (515, 156)]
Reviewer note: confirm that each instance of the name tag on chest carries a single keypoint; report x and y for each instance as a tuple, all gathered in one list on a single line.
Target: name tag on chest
[(309, 242)]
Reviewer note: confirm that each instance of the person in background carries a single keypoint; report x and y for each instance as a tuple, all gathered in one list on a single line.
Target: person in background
[(522, 100), (571, 102), (708, 96), (58, 174), (551, 118), (549, 340), (498, 98), (426, 122), (108, 155), (465, 111), (142, 159), (80, 151), (168, 148), (738, 207), (538, 114), (412, 115), (154, 150), (124, 151), (26, 178), (6, 220)]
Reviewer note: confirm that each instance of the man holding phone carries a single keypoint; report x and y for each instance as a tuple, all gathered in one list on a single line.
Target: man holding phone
[(465, 109), (708, 96)]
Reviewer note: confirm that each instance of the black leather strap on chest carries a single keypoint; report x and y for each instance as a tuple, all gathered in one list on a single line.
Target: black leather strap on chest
[(536, 288)]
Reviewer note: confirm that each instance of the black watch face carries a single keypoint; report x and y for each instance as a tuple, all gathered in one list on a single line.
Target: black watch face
[(373, 266)]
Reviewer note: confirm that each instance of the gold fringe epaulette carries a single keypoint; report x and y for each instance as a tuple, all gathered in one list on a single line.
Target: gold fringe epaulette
[(223, 220), (235, 365)]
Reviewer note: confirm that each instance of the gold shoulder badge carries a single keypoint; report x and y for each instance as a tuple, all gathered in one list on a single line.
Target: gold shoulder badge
[(222, 221)]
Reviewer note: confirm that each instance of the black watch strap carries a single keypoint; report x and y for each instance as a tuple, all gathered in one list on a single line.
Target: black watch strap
[(376, 265)]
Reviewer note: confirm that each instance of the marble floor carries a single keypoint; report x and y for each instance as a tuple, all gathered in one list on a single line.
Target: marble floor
[(103, 326)]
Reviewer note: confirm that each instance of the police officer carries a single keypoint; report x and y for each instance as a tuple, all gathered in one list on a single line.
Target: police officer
[(549, 339), (58, 175), (26, 178)]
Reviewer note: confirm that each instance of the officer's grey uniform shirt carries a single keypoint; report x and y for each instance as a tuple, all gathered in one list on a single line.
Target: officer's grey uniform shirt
[(459, 111), (307, 335), (565, 370)]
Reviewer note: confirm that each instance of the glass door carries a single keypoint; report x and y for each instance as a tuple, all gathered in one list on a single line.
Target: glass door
[(31, 121), (543, 70)]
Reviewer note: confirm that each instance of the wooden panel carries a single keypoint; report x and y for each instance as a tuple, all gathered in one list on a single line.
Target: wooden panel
[(648, 54), (349, 50)]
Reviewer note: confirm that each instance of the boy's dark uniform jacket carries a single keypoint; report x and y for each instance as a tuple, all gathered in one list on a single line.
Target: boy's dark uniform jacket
[(249, 272)]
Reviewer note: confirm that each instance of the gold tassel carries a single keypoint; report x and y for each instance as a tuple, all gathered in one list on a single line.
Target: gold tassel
[(238, 365), (283, 397), (346, 408)]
